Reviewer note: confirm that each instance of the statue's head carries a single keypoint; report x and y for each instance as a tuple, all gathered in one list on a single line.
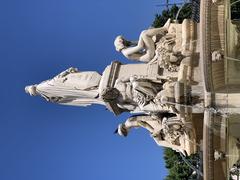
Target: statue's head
[(31, 90), (119, 43), (121, 130)]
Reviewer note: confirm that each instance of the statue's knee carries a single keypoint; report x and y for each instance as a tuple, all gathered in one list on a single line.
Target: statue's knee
[(144, 33)]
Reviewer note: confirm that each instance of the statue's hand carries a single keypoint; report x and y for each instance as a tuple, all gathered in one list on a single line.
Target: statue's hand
[(68, 71), (122, 130), (155, 134), (72, 70)]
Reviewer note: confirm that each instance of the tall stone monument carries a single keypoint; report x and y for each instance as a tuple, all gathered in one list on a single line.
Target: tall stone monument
[(164, 89)]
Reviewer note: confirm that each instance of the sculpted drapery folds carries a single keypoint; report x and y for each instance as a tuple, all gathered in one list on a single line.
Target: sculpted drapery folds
[(70, 87)]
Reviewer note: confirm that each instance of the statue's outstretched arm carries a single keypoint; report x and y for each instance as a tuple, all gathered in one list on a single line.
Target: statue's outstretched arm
[(132, 122), (123, 129), (136, 121)]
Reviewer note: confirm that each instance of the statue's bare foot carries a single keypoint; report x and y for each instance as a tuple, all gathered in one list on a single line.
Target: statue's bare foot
[(167, 24), (154, 60)]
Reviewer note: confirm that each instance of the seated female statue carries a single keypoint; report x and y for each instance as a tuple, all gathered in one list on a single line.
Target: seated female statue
[(144, 49)]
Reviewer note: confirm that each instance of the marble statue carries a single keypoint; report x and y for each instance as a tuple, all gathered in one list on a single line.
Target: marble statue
[(164, 44), (158, 89), (134, 93), (167, 130), (175, 46), (138, 93), (144, 49), (71, 87)]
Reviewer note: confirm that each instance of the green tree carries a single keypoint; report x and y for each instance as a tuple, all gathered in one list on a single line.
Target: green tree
[(178, 169), (185, 13)]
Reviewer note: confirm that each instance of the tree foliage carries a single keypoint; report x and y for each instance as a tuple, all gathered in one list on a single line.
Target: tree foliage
[(185, 13), (178, 169)]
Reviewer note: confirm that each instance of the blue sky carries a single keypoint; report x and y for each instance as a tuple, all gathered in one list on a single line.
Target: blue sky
[(44, 141)]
